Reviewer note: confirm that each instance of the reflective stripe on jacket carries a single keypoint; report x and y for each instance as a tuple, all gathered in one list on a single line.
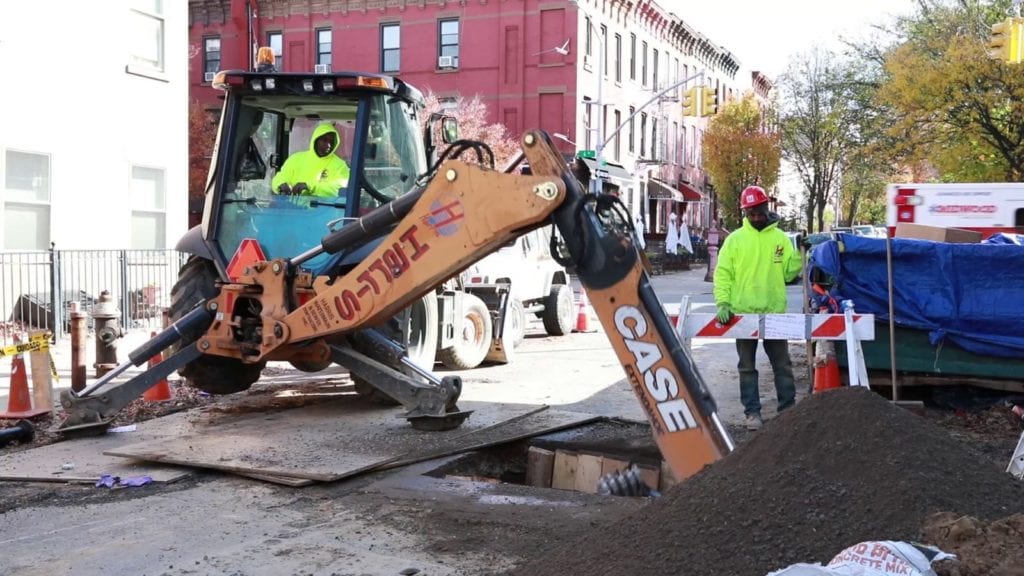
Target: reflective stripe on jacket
[(753, 269)]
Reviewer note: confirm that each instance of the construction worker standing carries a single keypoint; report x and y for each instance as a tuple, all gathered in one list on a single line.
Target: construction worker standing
[(317, 171), (754, 265)]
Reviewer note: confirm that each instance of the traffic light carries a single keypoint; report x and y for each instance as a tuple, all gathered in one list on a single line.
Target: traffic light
[(1006, 42), (690, 102), (709, 101)]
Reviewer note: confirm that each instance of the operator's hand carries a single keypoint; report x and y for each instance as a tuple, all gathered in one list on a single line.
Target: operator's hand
[(725, 314), (299, 188), (284, 189)]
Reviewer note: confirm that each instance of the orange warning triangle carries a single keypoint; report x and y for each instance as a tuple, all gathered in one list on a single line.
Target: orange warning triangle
[(249, 252)]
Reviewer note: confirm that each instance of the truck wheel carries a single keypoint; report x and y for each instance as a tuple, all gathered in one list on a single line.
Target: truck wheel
[(421, 349), (212, 374), (558, 313), (517, 321), (472, 336)]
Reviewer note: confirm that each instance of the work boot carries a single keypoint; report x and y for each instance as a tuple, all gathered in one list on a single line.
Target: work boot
[(754, 422)]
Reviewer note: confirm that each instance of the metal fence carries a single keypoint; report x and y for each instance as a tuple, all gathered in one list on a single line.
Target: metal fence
[(37, 288)]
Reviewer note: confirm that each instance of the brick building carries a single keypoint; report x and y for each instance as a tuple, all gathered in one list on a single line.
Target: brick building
[(559, 65)]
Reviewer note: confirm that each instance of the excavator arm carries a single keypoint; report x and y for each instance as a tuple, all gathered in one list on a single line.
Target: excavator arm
[(462, 214)]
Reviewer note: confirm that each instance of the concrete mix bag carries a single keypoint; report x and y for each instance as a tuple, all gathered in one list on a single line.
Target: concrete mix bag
[(882, 558)]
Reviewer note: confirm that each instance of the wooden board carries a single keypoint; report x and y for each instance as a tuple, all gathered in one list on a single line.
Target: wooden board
[(86, 455), (326, 442), (588, 473), (539, 464), (563, 476)]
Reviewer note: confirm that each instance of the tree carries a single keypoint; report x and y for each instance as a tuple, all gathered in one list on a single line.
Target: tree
[(202, 132), (738, 152), (816, 127), (956, 107), (473, 125)]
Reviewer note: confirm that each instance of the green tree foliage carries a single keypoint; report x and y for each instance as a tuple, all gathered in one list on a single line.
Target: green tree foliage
[(738, 152), (954, 107)]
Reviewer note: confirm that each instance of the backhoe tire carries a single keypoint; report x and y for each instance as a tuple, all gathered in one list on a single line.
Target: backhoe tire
[(422, 348), (473, 333), (558, 313), (517, 321), (211, 374)]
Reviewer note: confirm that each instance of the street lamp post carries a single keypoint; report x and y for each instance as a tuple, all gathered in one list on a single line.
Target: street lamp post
[(596, 185)]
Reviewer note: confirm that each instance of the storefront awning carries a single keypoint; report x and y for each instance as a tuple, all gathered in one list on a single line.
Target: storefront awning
[(690, 194), (660, 190), (608, 170)]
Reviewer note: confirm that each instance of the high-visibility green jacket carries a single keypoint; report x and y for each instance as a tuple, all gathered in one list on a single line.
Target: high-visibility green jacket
[(753, 269), (323, 176)]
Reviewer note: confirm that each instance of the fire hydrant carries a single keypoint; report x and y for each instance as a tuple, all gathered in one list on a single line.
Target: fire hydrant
[(106, 318)]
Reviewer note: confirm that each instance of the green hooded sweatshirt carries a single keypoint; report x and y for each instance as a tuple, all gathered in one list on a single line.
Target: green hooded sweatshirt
[(753, 269), (324, 176)]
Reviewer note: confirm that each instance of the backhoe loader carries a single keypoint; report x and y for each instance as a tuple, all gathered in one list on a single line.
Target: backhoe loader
[(330, 279)]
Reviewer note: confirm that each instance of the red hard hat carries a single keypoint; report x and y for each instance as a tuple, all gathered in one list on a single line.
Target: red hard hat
[(752, 196)]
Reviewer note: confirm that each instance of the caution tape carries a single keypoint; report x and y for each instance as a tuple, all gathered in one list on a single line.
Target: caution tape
[(35, 343)]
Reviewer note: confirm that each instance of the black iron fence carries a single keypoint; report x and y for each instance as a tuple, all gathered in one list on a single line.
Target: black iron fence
[(37, 289)]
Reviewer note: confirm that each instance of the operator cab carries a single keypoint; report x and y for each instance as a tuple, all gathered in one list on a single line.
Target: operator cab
[(267, 118)]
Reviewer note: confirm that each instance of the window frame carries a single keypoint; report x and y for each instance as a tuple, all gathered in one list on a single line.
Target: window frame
[(140, 65), (279, 55), (632, 135), (6, 201), (618, 58), (441, 45), (384, 50), (206, 56), (604, 48), (632, 56), (161, 211), (319, 47), (643, 64)]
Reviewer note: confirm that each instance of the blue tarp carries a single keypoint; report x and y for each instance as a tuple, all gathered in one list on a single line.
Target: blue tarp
[(970, 294)]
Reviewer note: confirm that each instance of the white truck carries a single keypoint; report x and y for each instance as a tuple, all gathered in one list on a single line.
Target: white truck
[(536, 284), (989, 208)]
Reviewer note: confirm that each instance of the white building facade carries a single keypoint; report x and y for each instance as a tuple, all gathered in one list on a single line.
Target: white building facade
[(94, 145)]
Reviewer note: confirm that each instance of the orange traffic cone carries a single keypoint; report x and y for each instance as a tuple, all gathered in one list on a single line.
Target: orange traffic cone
[(19, 402), (161, 390), (826, 368), (581, 313)]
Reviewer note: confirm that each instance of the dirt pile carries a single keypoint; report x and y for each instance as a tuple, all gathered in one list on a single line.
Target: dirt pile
[(982, 548), (838, 469)]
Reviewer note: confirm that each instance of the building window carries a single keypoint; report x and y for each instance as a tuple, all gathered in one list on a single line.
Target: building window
[(590, 40), (211, 56), (618, 122), (276, 42), (149, 212), (632, 111), (449, 40), (655, 153), (147, 34), (618, 58), (632, 56), (390, 48), (604, 48), (26, 201), (643, 133), (643, 67), (323, 47), (654, 63)]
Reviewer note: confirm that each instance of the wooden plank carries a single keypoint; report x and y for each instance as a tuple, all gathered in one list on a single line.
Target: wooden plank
[(563, 475), (282, 480), (539, 466), (42, 380), (86, 458), (588, 473), (609, 465), (338, 438)]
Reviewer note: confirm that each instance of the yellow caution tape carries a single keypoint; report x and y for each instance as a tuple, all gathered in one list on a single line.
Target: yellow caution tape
[(35, 343)]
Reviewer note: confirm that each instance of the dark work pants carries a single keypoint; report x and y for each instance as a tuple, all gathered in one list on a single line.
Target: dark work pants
[(782, 367)]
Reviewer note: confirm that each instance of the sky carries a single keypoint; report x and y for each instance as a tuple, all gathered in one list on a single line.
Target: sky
[(763, 34)]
